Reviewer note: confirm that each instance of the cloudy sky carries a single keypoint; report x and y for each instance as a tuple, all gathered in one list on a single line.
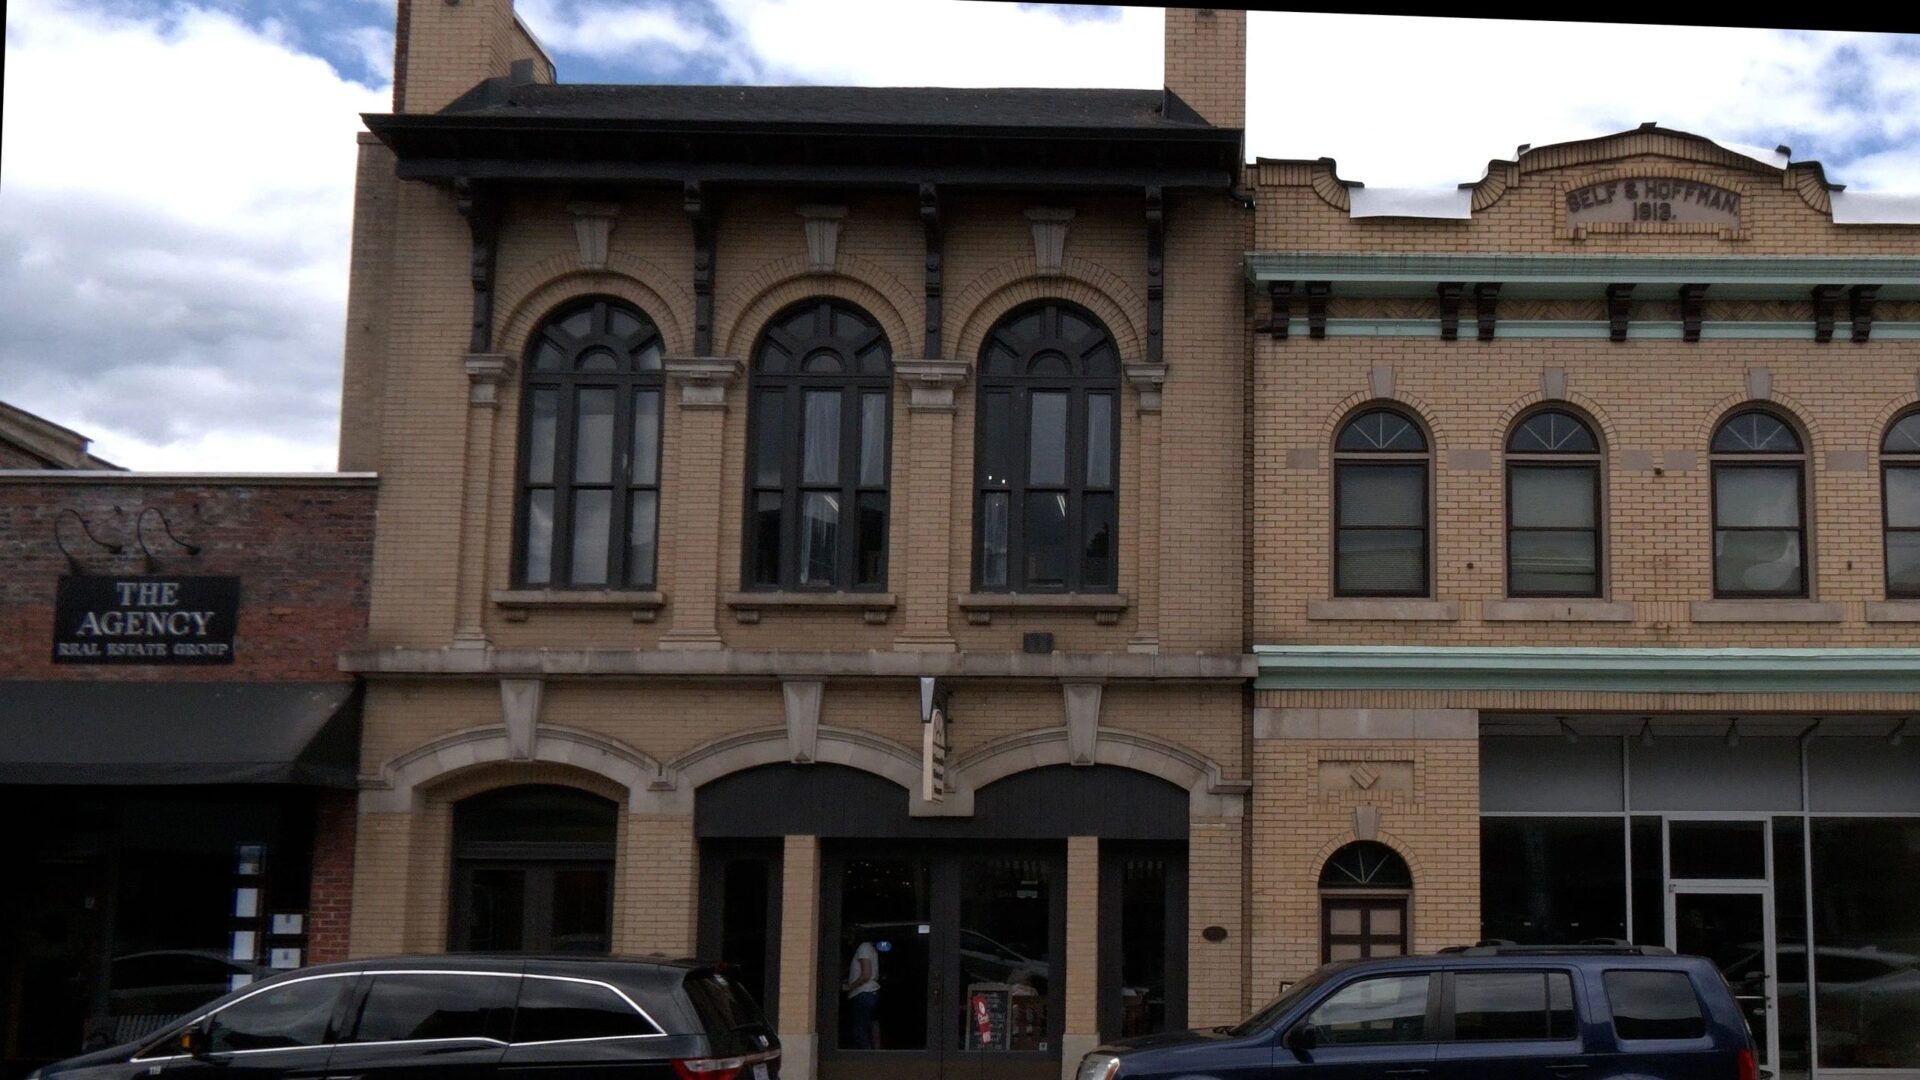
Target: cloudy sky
[(175, 176)]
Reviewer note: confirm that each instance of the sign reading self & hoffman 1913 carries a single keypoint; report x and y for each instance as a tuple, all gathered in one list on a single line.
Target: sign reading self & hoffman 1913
[(1651, 200), (98, 619)]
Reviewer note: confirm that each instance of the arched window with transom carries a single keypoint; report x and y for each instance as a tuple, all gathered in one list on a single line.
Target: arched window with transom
[(1759, 507), (590, 449), (1553, 506), (1900, 490), (1382, 474), (1047, 453), (819, 429), (1365, 889)]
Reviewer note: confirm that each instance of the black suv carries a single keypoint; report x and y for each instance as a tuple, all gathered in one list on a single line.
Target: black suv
[(461, 1017), (1480, 1013)]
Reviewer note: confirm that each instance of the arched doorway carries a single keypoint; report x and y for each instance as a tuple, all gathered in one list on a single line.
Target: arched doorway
[(533, 871), (1364, 892)]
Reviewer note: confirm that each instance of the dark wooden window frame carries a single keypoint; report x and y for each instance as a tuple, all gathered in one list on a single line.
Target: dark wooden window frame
[(566, 384), (1588, 461), (1891, 461), (792, 388), (1114, 855), (1364, 900), (1019, 388), (1347, 461), (710, 917), (540, 860), (1795, 461)]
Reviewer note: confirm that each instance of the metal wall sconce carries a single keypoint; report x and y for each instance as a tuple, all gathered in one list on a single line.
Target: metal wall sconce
[(139, 534), (112, 549)]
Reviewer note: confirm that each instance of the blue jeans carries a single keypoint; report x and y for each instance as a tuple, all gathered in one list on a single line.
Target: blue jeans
[(860, 1014)]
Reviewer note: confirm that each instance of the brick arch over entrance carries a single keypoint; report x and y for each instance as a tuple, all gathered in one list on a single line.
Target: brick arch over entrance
[(405, 776)]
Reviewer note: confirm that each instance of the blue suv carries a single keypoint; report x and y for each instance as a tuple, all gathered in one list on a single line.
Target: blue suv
[(1479, 1013)]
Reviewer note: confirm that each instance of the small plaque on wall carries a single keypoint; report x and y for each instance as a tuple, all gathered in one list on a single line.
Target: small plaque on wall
[(1653, 203)]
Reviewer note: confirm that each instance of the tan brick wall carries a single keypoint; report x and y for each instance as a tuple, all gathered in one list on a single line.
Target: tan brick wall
[(1216, 896), (1206, 62), (658, 881)]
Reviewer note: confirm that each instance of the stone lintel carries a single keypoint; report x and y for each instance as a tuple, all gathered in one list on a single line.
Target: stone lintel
[(1148, 380), (784, 664), (1294, 723), (1557, 610), (1384, 610), (486, 372), (1766, 611), (931, 383), (703, 379)]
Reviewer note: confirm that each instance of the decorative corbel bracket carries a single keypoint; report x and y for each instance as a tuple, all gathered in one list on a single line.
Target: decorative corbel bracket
[(1449, 293), (1486, 302), (481, 207), (936, 235), (931, 383), (1148, 380), (1693, 308), (699, 208), (1156, 273), (593, 230), (1279, 308), (1860, 309), (486, 374), (1618, 299), (1317, 294), (823, 235), (703, 379), (1049, 237), (1826, 301)]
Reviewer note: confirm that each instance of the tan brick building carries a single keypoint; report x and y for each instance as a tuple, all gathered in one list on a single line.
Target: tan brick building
[(1306, 570)]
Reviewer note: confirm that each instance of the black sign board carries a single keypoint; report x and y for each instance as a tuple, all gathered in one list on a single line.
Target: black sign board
[(100, 619), (987, 1016)]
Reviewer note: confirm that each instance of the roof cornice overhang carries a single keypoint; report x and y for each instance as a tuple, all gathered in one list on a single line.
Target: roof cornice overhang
[(1408, 667), (1407, 274), (440, 147)]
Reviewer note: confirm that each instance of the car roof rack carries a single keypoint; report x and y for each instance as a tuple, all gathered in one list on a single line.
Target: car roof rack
[(1593, 947)]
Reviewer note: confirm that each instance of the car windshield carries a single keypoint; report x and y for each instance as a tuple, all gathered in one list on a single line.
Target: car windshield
[(1270, 1012)]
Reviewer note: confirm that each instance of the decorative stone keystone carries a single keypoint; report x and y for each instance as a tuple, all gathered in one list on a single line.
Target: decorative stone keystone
[(1049, 237), (520, 711), (1148, 379), (485, 373), (931, 382), (823, 235), (1083, 720), (802, 699), (1366, 823), (1553, 383), (703, 379), (592, 226), (1380, 380)]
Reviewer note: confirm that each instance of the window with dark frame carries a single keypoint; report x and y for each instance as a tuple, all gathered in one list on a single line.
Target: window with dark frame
[(1553, 507), (589, 507), (1383, 472), (1047, 453), (819, 437), (1900, 494), (1759, 508)]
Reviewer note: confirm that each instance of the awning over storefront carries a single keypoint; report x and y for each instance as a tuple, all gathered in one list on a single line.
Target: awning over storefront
[(179, 733)]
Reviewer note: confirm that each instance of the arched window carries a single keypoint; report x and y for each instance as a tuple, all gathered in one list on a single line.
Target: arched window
[(1047, 453), (1364, 892), (1381, 470), (1759, 507), (1553, 507), (1900, 468), (590, 449), (533, 871), (819, 426)]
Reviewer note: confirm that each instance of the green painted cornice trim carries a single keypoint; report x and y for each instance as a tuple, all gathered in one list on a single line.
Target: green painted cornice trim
[(1702, 671), (1796, 271), (1597, 330)]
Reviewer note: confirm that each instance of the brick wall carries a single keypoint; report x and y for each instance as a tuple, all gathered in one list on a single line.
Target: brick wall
[(330, 904)]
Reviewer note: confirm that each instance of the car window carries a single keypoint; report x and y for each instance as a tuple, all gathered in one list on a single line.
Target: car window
[(1654, 1005), (1496, 1005), (1389, 1009), (555, 1009), (723, 1004), (290, 1014), (435, 1005), (1265, 1017)]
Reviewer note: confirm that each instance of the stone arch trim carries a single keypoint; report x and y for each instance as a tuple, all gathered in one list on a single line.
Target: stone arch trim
[(492, 776), (1018, 281), (742, 310), (1790, 409), (768, 746), (1358, 402), (1891, 411), (545, 285), (1179, 766), (404, 777), (1582, 405)]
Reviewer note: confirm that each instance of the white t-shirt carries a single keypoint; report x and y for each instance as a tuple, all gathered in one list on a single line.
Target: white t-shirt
[(864, 952)]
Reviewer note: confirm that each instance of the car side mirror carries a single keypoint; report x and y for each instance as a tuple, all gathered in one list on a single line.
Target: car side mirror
[(193, 1041), (1302, 1039)]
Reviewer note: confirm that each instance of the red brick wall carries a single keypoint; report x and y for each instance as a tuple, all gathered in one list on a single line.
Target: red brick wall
[(329, 907), (301, 551)]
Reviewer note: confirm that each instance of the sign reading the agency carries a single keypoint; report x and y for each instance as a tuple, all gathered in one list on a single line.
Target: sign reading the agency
[(1652, 200), (100, 619)]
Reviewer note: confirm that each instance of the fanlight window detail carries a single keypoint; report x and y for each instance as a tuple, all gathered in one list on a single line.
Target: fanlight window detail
[(1900, 490), (1759, 508), (1366, 864), (590, 449), (1553, 507), (1381, 475), (1755, 432)]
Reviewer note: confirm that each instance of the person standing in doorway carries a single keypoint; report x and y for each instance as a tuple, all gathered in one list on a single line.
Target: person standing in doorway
[(862, 988)]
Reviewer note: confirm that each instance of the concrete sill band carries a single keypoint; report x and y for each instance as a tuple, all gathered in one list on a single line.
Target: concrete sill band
[(873, 607), (1383, 610), (1899, 611), (1105, 608), (1766, 611), (516, 604), (1549, 610)]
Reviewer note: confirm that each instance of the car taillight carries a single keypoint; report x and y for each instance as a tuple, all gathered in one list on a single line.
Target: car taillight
[(1749, 1068), (729, 1068)]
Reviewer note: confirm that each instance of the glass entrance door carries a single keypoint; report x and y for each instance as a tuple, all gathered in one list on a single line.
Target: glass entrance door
[(1732, 925), (941, 964)]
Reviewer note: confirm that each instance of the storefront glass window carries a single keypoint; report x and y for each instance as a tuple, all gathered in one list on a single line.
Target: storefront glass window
[(1718, 849), (1143, 946), (1866, 933), (1649, 881), (1553, 881), (1006, 954), (1790, 947), (886, 921)]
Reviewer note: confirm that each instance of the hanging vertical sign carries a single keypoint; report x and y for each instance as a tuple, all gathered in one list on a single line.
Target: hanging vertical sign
[(934, 700)]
